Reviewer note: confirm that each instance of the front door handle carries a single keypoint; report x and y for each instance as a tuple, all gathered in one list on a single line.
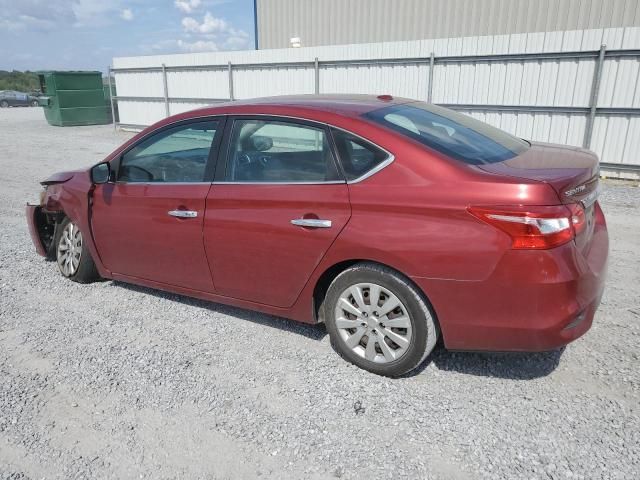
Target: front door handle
[(183, 213), (311, 223)]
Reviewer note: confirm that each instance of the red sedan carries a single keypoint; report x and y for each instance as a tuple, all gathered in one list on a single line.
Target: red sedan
[(396, 223)]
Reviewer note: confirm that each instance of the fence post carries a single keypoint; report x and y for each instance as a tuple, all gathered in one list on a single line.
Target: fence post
[(432, 61), (113, 114), (593, 100), (316, 67), (166, 90), (229, 69)]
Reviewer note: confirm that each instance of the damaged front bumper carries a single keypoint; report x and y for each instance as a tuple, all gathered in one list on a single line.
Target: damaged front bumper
[(41, 229)]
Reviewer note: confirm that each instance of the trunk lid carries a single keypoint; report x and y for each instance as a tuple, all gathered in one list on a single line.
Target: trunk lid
[(572, 172)]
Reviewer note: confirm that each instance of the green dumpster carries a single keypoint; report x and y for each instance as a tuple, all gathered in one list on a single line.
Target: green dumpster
[(73, 98)]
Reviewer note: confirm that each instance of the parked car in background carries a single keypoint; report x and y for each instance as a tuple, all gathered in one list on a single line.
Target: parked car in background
[(395, 222), (12, 98)]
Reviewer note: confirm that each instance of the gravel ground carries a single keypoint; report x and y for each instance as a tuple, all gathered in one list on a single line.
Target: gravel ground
[(116, 381)]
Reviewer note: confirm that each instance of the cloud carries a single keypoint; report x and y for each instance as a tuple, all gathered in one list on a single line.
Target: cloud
[(198, 46), (127, 14), (93, 13), (210, 24), (215, 31), (48, 15), (190, 24), (35, 15), (239, 41), (187, 6)]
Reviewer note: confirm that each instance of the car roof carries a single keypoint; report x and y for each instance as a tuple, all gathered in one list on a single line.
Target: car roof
[(344, 105)]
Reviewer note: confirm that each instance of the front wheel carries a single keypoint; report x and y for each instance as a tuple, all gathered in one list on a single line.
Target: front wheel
[(73, 258), (34, 103), (4, 104), (378, 320)]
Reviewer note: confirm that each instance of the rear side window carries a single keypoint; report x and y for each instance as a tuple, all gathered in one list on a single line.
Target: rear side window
[(454, 134), (270, 151), (357, 156)]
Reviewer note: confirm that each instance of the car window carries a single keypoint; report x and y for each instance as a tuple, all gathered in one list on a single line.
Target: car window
[(454, 134), (357, 156), (279, 151), (178, 154)]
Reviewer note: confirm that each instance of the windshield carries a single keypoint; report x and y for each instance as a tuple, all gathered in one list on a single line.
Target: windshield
[(454, 134)]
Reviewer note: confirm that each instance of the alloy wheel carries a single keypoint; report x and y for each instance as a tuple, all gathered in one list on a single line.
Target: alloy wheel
[(373, 322), (69, 250)]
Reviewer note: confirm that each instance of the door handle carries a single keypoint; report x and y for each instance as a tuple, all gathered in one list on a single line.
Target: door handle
[(311, 223), (183, 213)]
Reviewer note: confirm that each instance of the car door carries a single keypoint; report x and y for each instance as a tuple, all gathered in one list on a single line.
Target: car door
[(21, 99), (277, 205), (148, 223)]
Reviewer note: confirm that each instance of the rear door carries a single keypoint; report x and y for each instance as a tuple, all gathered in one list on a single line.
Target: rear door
[(21, 98), (148, 223), (277, 205)]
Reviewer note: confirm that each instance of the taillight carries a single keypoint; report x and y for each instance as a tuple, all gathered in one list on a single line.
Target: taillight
[(578, 217), (537, 227)]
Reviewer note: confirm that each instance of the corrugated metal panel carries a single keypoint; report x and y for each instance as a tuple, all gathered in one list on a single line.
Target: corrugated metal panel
[(140, 112), (264, 82), (333, 22), (403, 80), (197, 84), (565, 82)]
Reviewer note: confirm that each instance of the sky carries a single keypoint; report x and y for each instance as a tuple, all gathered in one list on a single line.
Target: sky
[(87, 34)]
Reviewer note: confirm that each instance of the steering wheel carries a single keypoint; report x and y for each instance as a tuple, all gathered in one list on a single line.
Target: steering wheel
[(131, 168)]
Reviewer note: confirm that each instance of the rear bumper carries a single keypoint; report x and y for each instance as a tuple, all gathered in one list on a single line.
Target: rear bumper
[(533, 300), (32, 212)]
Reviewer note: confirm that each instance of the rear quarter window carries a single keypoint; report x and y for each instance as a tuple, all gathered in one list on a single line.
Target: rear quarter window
[(357, 156), (456, 135)]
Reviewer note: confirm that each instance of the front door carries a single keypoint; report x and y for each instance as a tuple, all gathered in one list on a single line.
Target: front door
[(148, 224), (278, 204)]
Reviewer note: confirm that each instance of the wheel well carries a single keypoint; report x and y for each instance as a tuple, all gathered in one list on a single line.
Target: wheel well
[(322, 285), (47, 224)]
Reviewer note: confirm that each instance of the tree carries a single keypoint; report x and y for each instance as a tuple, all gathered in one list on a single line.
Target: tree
[(21, 81)]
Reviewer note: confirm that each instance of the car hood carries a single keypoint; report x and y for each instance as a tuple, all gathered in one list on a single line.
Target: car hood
[(59, 177)]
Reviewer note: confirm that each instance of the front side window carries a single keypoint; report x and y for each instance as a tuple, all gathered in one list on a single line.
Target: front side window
[(279, 151), (454, 134), (357, 156), (178, 154)]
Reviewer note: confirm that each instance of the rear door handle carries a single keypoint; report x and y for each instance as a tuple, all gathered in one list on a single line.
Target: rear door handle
[(183, 213), (311, 223)]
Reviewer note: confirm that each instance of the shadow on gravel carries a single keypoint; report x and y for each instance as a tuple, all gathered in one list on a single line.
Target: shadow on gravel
[(513, 366), (314, 332)]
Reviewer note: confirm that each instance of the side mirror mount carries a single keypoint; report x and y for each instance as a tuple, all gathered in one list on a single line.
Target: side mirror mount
[(100, 173)]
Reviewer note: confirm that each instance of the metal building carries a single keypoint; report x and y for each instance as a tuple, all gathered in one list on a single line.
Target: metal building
[(341, 22)]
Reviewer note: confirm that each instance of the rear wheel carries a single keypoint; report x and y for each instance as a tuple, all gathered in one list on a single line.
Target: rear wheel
[(74, 260), (4, 104), (34, 103), (378, 320)]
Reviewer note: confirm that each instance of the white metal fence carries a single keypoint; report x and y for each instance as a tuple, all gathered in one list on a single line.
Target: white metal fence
[(578, 88)]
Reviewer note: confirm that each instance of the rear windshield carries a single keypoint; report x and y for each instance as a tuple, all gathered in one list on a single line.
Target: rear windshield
[(454, 134)]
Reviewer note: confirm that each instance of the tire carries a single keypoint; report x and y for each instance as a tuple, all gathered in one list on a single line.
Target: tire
[(414, 325), (72, 257), (4, 104), (34, 103)]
